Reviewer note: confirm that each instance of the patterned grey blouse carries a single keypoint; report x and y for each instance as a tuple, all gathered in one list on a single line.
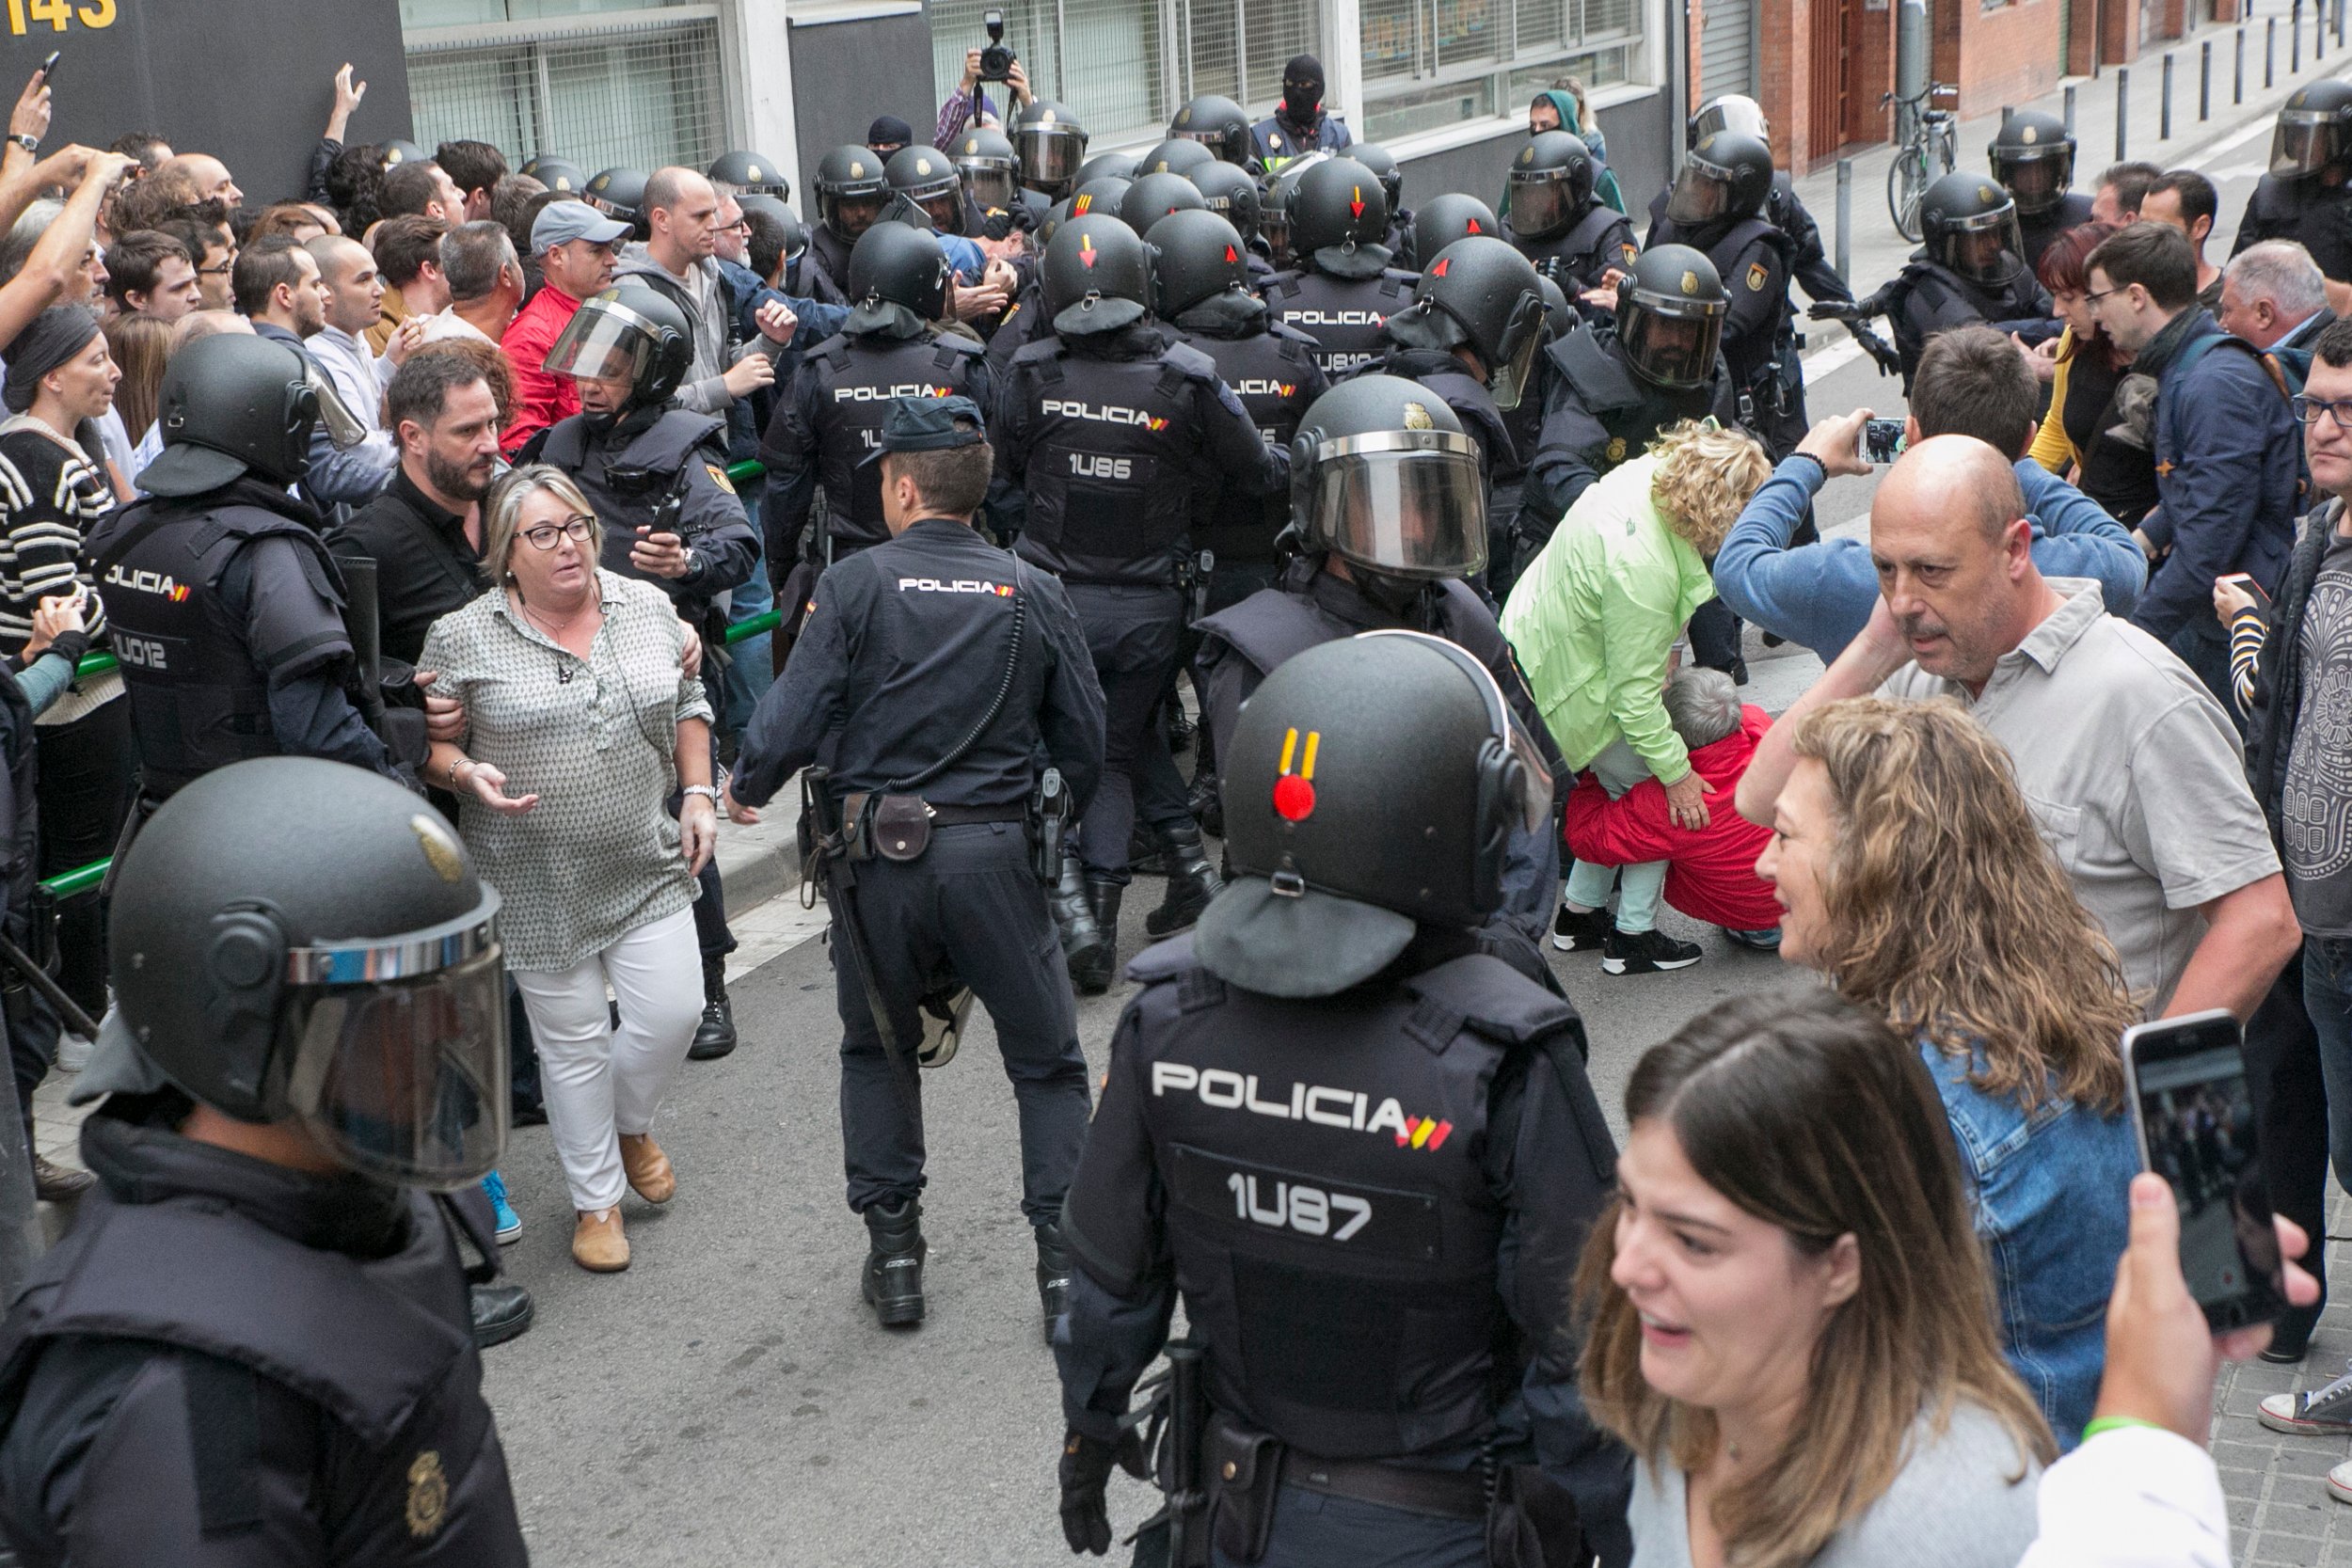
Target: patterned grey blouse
[(594, 739)]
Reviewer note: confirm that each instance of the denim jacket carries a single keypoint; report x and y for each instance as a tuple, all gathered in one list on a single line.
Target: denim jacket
[(2047, 1188)]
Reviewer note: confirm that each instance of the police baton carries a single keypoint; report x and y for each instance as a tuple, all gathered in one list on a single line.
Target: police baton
[(831, 865), (1179, 1416), (69, 1011)]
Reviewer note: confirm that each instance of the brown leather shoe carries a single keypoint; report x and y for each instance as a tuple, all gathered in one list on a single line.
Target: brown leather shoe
[(56, 1183), (598, 1242), (649, 1173)]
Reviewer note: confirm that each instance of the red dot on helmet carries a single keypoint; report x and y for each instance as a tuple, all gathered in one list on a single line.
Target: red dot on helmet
[(1293, 797)]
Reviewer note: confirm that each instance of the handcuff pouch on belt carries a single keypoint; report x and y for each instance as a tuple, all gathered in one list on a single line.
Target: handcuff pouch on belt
[(1244, 1479), (885, 827)]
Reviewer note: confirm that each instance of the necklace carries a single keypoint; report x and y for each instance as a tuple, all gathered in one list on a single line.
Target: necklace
[(554, 629)]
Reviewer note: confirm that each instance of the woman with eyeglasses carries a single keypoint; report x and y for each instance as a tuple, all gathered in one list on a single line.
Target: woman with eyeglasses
[(580, 724), (2100, 412)]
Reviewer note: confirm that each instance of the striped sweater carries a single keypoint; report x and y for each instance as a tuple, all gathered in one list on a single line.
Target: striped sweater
[(50, 497)]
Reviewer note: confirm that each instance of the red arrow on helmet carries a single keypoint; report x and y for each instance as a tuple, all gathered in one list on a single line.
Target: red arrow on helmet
[(1356, 208)]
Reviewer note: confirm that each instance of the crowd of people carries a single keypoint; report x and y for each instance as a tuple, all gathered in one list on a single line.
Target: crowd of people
[(567, 513)]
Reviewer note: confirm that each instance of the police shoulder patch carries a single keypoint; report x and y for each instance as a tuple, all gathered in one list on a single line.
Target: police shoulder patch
[(719, 477), (1757, 276)]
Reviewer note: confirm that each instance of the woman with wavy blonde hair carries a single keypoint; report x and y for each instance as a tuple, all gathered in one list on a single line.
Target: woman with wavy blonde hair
[(1913, 875), (1594, 621)]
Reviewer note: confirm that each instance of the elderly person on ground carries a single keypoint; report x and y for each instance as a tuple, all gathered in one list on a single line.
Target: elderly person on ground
[(580, 721), (1594, 621)]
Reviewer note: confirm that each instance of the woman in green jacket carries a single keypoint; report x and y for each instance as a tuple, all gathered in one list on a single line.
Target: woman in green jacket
[(1594, 621)]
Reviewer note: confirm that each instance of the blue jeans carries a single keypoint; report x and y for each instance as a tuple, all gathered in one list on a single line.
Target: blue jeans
[(754, 667), (2327, 998)]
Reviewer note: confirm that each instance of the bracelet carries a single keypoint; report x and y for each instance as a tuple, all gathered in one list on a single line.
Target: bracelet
[(454, 763), (2119, 1423), (709, 790)]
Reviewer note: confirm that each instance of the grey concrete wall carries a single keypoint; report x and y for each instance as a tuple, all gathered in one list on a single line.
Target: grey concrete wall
[(1639, 134), (845, 73)]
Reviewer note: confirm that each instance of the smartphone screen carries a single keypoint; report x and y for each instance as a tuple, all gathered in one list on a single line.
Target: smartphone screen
[(2195, 1119), (2246, 581), (1882, 441)]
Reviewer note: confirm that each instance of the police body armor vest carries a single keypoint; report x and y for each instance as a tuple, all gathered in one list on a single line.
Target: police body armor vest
[(1343, 315), (1333, 1230), (383, 1350), (1632, 410), (1576, 259), (1276, 625), (857, 377), (1268, 371), (831, 253), (1932, 298), (1113, 481), (628, 484), (2286, 209), (1751, 354), (198, 700)]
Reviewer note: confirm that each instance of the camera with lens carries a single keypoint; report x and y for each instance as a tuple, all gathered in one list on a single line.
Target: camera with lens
[(996, 60)]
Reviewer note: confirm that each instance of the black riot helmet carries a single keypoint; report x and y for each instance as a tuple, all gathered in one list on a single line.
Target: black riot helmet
[(1197, 256), (2033, 157), (1384, 477), (898, 279), (1552, 183), (1219, 124), (744, 171), (1056, 215), (1339, 219), (350, 981), (1559, 317), (1670, 316), (618, 191), (850, 190), (1443, 219), (1725, 177), (1733, 111), (1153, 197), (1968, 225), (1097, 276), (1384, 167), (1051, 143), (1479, 293), (1100, 196), (924, 175), (556, 174), (1230, 193), (1105, 166), (2314, 131), (230, 405), (1176, 155), (1274, 211), (627, 330), (990, 167), (1372, 787)]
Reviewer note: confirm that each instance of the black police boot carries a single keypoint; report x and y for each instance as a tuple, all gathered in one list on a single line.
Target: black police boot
[(1180, 730), (1192, 881), (1206, 804), (1143, 852), (894, 1263), (500, 1311), (1104, 897), (714, 1037), (1053, 1275), (1085, 946)]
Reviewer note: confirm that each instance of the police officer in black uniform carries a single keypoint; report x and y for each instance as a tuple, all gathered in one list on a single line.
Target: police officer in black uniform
[(1443, 219), (1365, 1152), (1390, 174), (658, 476), (1969, 268), (1232, 195), (1052, 146), (1717, 207), (1176, 155), (253, 1346), (990, 171), (1220, 125), (2033, 157), (743, 173), (923, 175), (1344, 289), (939, 667), (852, 191), (1121, 437), (1152, 196), (2304, 196), (1573, 237)]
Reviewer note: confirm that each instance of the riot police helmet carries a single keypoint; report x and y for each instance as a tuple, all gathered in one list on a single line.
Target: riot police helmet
[(1733, 111), (744, 171), (1097, 276), (1550, 184), (1176, 155), (1153, 197), (1049, 143), (1199, 256), (850, 190), (1384, 167), (2313, 132), (1372, 786), (1274, 215), (1100, 197), (1479, 294), (233, 404), (1384, 477), (1056, 215), (924, 175), (398, 151), (556, 174), (1559, 317), (1968, 225), (1443, 219), (1671, 307), (618, 191), (1107, 166), (1725, 177), (1230, 193), (349, 980), (990, 167), (898, 279), (628, 331), (2033, 157), (1339, 215), (1219, 124)]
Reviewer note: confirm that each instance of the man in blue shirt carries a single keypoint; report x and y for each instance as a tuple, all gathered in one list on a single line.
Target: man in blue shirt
[(1972, 381)]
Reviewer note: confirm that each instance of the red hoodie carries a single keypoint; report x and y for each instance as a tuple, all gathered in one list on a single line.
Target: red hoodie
[(1711, 874)]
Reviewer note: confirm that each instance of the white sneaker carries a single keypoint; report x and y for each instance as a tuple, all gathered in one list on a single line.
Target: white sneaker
[(2340, 1483), (2313, 1413)]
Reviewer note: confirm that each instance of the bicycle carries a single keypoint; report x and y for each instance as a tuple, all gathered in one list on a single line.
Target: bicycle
[(1920, 130)]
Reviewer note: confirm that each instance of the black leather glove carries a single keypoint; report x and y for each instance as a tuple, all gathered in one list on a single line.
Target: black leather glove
[(1830, 311), (1086, 1468), (1878, 349)]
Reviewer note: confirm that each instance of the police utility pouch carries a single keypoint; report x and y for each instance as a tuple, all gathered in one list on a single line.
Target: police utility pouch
[(1245, 1469), (886, 826), (1531, 1521)]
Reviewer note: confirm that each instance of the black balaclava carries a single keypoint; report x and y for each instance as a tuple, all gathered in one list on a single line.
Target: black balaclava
[(1302, 90)]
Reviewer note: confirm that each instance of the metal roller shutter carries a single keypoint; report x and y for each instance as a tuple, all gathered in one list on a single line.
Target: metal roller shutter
[(1726, 48)]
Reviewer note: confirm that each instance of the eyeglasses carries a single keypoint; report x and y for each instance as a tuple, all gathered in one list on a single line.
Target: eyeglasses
[(743, 224), (2093, 296), (2308, 409), (220, 271), (575, 529)]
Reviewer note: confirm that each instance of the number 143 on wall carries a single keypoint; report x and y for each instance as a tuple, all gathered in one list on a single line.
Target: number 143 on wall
[(98, 14)]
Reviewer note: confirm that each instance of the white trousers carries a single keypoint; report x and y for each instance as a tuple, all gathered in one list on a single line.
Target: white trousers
[(599, 1083)]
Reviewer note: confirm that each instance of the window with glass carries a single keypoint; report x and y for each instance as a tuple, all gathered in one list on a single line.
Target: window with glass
[(1429, 64)]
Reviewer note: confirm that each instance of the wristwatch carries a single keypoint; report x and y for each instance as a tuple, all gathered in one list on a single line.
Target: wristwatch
[(711, 790), (30, 144)]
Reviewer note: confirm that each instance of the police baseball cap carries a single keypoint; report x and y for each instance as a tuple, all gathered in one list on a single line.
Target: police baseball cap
[(929, 424), (561, 222)]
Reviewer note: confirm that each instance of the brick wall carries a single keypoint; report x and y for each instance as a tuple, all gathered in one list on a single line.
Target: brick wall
[(1787, 70), (1783, 62), (2005, 56)]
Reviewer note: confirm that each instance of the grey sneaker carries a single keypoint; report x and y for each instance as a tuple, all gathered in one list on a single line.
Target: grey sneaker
[(2313, 1412)]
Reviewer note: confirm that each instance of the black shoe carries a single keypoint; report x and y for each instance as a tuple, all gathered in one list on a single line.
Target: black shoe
[(2291, 1337), (1104, 898), (1646, 953), (1208, 807), (501, 1309), (1180, 730), (1053, 1275), (56, 1183), (894, 1263), (1143, 854), (714, 1037), (1572, 932), (1084, 948), (532, 1113), (1772, 640), (1192, 881)]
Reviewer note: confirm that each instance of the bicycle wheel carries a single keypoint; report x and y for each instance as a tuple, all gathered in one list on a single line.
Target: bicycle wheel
[(1906, 182), (1947, 146)]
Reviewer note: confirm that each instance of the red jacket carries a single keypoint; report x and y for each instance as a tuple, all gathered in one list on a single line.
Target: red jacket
[(540, 399), (1711, 874)]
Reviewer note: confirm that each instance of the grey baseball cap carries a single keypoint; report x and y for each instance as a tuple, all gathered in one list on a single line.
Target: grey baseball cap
[(560, 221)]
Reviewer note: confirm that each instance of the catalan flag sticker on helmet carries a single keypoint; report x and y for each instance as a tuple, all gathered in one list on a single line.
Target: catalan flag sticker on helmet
[(1295, 792)]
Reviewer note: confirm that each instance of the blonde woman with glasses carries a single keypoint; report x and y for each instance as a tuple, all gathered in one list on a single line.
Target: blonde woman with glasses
[(581, 723)]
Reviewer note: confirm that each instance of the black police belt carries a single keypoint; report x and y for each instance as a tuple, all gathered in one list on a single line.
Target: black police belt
[(1246, 1470), (898, 827)]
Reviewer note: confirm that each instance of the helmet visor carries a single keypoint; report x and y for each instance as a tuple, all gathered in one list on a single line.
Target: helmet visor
[(2302, 143), (602, 339), (1986, 249), (1049, 154), (1702, 193), (1670, 344), (1539, 202), (343, 426), (990, 184), (1729, 114), (407, 1080), (2036, 180), (1408, 502), (1512, 369)]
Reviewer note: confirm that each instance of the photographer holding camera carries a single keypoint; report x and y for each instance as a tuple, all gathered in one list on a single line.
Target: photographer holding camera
[(967, 104)]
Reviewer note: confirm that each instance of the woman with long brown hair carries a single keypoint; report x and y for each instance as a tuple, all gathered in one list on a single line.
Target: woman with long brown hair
[(1914, 878), (1792, 1323), (2100, 416), (139, 345)]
